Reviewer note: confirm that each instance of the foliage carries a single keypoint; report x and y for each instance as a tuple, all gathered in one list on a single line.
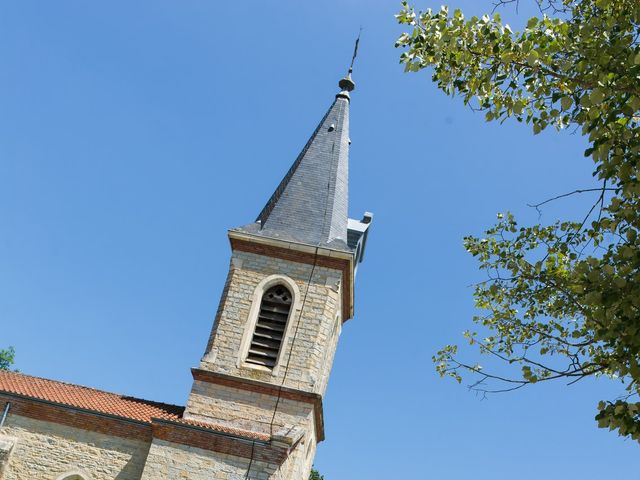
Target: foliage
[(7, 357), (315, 475), (561, 301)]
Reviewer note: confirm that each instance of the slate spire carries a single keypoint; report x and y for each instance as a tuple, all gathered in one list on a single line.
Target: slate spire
[(309, 205)]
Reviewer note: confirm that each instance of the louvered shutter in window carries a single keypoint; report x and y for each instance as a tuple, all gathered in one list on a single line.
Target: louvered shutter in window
[(270, 327)]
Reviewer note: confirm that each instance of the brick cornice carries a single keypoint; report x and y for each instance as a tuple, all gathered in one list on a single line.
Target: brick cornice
[(256, 386), (310, 255), (194, 436)]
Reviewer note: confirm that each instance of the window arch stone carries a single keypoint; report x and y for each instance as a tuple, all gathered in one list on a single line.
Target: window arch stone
[(256, 321), (74, 475)]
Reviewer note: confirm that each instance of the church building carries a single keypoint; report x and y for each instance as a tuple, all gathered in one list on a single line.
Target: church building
[(255, 407)]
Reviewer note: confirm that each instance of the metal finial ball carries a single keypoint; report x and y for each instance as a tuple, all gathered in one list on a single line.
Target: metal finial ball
[(346, 83)]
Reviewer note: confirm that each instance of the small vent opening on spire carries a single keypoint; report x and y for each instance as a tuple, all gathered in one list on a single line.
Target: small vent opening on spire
[(270, 327)]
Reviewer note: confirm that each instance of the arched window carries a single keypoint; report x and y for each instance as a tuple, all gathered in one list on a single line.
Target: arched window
[(270, 327)]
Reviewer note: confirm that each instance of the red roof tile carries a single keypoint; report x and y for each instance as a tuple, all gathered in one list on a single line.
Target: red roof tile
[(108, 403), (87, 398), (230, 430)]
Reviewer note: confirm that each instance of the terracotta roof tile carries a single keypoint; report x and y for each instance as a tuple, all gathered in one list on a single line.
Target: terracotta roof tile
[(108, 403), (230, 430), (87, 398)]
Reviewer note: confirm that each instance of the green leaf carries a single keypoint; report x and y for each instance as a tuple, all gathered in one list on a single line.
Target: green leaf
[(596, 96), (582, 300), (7, 357)]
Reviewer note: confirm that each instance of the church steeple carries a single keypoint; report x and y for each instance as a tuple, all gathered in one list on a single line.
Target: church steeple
[(255, 410), (289, 290), (309, 206)]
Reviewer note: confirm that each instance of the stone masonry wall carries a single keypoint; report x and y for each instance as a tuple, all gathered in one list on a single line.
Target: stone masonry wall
[(329, 354), (6, 447), (45, 450), (171, 461), (309, 347), (247, 410), (298, 465), (313, 329)]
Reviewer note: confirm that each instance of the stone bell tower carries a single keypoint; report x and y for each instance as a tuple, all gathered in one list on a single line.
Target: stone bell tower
[(289, 290)]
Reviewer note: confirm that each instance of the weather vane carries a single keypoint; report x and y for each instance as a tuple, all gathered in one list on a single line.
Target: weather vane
[(346, 84), (355, 51)]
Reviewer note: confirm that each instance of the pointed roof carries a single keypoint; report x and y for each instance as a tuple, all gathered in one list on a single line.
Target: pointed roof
[(309, 206)]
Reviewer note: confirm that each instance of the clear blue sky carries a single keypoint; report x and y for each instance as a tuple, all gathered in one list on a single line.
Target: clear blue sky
[(133, 134)]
